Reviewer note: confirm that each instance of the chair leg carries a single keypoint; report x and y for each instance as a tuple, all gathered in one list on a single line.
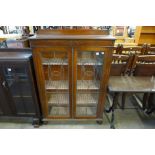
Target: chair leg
[(123, 100), (112, 122), (145, 99), (115, 100), (5, 43), (114, 103), (151, 108)]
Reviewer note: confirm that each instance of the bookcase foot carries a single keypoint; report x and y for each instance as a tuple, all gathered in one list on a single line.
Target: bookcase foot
[(36, 123), (44, 122), (99, 122)]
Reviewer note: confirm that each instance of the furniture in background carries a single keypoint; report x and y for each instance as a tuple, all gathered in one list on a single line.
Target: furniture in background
[(139, 50), (3, 43), (14, 41), (120, 32), (120, 49), (18, 90), (128, 51), (122, 36), (119, 68), (144, 65), (72, 70), (142, 81), (18, 43), (150, 50), (145, 34)]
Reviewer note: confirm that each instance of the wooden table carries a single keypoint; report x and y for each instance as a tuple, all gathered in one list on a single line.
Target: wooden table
[(130, 84)]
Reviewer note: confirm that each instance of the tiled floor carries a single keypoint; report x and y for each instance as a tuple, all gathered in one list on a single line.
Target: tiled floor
[(130, 118)]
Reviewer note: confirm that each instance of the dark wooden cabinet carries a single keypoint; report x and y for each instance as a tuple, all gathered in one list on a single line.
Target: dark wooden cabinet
[(72, 72), (17, 85)]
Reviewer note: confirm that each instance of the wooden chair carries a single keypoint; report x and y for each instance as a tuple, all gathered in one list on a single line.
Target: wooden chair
[(141, 50), (149, 98), (141, 66), (144, 67), (118, 49), (137, 50), (120, 66), (150, 50), (128, 51), (133, 50)]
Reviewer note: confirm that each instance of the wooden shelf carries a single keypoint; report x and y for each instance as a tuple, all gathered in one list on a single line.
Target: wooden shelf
[(59, 111), (87, 99), (148, 31), (145, 34), (86, 111), (87, 84), (62, 99), (147, 38), (58, 99), (89, 62), (80, 111), (57, 61), (56, 85)]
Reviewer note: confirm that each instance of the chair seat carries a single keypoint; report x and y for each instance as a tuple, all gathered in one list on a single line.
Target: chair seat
[(139, 84)]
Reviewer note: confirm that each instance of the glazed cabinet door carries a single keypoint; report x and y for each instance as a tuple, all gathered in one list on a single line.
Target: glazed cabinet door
[(5, 107), (53, 68), (17, 88), (91, 72)]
